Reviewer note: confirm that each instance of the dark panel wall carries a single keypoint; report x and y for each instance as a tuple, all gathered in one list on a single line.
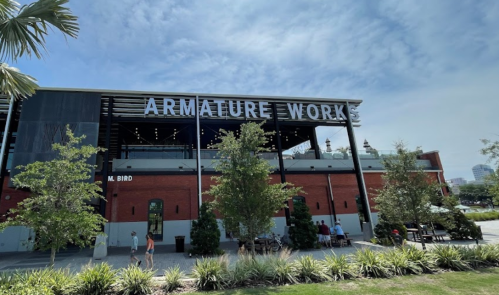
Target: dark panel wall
[(43, 122)]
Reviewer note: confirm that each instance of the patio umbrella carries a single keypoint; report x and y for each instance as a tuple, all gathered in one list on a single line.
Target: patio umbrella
[(436, 209), (462, 207)]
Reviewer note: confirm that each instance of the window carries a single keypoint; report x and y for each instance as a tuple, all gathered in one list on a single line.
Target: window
[(298, 199), (155, 219)]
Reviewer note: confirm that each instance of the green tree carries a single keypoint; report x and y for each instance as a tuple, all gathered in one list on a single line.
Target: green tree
[(57, 209), (22, 33), (408, 191), (205, 235), (475, 192), (243, 193), (491, 150), (303, 232)]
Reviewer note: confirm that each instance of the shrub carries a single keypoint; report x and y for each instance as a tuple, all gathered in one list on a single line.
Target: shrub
[(173, 277), (240, 273), (211, 274), (205, 235), (260, 270), (60, 281), (134, 280), (449, 257), (491, 253), (303, 234), (339, 267), (283, 271), (94, 279), (8, 279), (482, 216), (311, 270), (474, 256), (425, 260), (370, 264), (463, 228), (43, 281), (20, 289), (399, 264)]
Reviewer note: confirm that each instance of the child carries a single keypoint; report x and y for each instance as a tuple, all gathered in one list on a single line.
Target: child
[(398, 241)]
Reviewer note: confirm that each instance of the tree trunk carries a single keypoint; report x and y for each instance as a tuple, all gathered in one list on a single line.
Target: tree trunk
[(420, 233), (52, 256), (253, 248)]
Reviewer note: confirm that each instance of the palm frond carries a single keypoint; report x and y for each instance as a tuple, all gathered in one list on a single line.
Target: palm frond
[(25, 33), (15, 84), (7, 9)]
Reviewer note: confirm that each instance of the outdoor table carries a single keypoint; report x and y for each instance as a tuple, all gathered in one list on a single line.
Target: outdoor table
[(413, 231)]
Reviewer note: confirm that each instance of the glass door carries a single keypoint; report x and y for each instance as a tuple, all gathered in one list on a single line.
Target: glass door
[(155, 219)]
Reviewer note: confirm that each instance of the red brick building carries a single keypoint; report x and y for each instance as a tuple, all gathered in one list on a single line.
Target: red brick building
[(152, 174)]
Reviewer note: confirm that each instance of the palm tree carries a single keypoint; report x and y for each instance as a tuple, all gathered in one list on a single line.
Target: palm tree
[(22, 33)]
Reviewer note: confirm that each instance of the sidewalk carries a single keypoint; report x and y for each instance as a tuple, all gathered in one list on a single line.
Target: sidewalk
[(165, 256)]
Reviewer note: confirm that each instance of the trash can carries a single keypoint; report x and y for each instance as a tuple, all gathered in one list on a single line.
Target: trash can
[(179, 244)]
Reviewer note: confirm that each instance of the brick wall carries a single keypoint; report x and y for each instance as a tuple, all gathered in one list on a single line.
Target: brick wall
[(127, 201)]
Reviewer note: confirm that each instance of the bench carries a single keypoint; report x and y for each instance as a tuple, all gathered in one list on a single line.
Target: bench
[(439, 237)]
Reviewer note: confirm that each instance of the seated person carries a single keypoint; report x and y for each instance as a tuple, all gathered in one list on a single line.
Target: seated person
[(398, 240)]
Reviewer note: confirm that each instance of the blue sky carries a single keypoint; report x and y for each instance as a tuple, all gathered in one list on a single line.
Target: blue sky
[(427, 71)]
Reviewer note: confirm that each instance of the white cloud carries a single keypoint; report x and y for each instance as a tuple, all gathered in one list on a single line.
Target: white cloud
[(426, 70)]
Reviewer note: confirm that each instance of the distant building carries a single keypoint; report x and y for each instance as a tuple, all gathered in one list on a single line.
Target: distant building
[(458, 181), (481, 170), (455, 183)]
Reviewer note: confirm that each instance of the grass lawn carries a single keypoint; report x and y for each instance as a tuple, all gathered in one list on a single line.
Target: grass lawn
[(483, 281)]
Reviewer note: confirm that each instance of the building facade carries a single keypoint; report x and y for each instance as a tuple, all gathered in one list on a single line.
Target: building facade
[(153, 175), (480, 171)]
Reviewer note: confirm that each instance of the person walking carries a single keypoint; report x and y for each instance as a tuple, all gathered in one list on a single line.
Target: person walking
[(135, 246), (149, 251), (340, 235), (326, 235), (319, 231)]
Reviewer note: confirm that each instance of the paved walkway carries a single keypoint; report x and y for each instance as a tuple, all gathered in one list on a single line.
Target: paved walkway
[(165, 256)]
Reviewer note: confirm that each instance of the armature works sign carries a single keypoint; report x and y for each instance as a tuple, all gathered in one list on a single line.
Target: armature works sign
[(244, 109)]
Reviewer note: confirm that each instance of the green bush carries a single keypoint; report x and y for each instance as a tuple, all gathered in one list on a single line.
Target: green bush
[(425, 260), (60, 281), (491, 253), (399, 264), (20, 289), (339, 267), (173, 278), (240, 273), (205, 235), (370, 264), (94, 279), (303, 234), (463, 228), (135, 281), (483, 216), (260, 270), (40, 281), (283, 271), (449, 257), (211, 274), (311, 270), (474, 256)]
